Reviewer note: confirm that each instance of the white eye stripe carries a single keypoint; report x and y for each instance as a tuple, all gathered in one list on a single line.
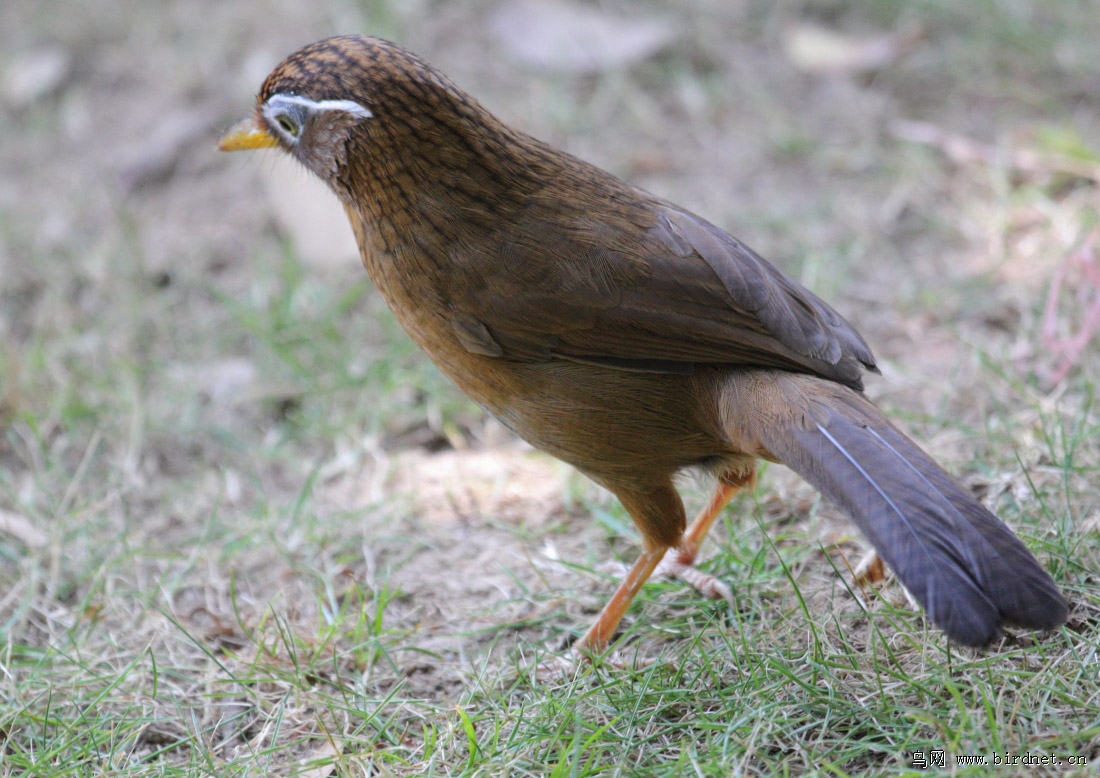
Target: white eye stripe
[(346, 106)]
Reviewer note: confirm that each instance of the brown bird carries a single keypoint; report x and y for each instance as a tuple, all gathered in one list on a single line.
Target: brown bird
[(624, 334)]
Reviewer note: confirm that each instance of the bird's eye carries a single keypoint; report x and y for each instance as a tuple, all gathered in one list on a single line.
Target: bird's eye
[(288, 124)]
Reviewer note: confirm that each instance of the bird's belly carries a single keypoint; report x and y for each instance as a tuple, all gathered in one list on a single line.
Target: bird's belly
[(614, 425)]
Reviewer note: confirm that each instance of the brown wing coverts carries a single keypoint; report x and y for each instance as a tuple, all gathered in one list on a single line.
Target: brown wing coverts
[(679, 294)]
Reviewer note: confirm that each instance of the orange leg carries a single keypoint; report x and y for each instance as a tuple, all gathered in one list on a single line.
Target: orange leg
[(679, 562), (597, 637), (699, 528), (672, 561)]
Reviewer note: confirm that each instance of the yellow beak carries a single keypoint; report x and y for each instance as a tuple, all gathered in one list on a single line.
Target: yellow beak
[(248, 133)]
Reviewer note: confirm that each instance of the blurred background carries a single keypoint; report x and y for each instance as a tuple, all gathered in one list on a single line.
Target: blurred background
[(209, 423)]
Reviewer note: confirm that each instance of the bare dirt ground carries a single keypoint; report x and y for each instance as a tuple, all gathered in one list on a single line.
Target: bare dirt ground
[(209, 434)]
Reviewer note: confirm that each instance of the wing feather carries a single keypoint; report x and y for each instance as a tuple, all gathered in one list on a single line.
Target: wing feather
[(656, 289)]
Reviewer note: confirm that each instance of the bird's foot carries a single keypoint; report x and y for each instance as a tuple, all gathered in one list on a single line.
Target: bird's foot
[(565, 667), (673, 566), (870, 569), (559, 668)]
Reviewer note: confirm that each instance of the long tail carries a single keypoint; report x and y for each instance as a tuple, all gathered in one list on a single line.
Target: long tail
[(968, 570)]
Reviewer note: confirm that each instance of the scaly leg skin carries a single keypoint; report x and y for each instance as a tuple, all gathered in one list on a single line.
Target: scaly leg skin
[(673, 562), (594, 642), (679, 562)]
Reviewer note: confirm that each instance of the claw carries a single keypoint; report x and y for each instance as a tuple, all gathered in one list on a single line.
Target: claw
[(706, 584)]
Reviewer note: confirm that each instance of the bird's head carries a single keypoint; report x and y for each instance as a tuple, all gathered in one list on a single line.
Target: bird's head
[(393, 137), (360, 111)]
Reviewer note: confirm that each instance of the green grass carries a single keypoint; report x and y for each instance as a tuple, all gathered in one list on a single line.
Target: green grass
[(230, 540), (771, 688)]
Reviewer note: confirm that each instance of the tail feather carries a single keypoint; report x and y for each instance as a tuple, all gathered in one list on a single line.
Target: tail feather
[(965, 567)]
